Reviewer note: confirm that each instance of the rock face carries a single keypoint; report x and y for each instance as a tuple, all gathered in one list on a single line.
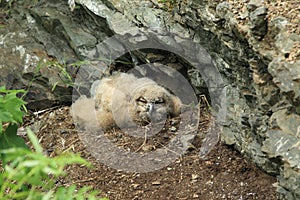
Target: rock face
[(258, 60), (37, 53)]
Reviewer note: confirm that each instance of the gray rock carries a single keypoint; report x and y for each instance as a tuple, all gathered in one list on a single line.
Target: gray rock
[(42, 49), (285, 75), (260, 83), (254, 4), (223, 9), (252, 94), (258, 21)]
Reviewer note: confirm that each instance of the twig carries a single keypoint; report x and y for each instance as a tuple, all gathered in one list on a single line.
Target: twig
[(45, 110), (123, 144), (70, 146), (205, 100), (169, 149), (145, 138)]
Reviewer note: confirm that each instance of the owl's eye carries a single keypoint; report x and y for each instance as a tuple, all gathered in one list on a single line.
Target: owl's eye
[(142, 99), (159, 101)]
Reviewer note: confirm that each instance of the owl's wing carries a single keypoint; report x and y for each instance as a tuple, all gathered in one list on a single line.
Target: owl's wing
[(176, 106)]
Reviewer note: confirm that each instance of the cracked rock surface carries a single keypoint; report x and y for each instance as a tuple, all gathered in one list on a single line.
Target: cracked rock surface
[(253, 44)]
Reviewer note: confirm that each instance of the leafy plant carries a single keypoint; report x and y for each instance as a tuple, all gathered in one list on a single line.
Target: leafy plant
[(63, 75), (31, 175), (27, 174), (11, 114)]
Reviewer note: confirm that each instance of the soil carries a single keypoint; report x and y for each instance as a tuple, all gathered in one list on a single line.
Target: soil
[(222, 174)]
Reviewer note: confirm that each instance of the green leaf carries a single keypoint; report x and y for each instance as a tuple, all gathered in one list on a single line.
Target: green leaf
[(5, 116), (13, 105), (81, 192), (49, 170), (70, 191), (14, 155), (10, 106), (34, 140), (2, 89), (61, 193), (31, 163), (48, 196), (10, 139)]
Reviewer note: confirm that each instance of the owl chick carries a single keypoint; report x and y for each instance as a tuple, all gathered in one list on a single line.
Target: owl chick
[(124, 100)]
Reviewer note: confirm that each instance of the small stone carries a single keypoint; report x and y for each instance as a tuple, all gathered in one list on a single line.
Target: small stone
[(154, 57), (147, 147), (253, 4), (135, 185), (258, 22), (222, 9), (172, 129), (195, 176), (178, 161), (191, 147), (208, 162), (21, 131), (156, 183), (209, 182)]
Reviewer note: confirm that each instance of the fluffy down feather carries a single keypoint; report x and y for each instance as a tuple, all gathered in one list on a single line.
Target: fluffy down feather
[(124, 100)]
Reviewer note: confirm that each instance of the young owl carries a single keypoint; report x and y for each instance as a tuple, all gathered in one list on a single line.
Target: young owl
[(124, 100)]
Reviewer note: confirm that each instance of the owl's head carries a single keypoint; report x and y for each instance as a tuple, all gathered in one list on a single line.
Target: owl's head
[(153, 103)]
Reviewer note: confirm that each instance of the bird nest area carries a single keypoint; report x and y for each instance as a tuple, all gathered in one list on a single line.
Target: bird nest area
[(222, 174)]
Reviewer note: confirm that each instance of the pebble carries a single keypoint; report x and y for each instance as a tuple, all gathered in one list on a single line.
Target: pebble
[(156, 183)]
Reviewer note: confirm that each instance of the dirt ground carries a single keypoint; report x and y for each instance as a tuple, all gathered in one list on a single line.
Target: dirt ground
[(222, 174)]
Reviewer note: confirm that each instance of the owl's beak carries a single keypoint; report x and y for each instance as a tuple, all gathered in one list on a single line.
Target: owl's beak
[(150, 107)]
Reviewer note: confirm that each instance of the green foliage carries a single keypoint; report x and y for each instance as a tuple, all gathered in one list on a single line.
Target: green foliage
[(10, 139), (11, 114), (31, 175), (64, 77), (10, 107)]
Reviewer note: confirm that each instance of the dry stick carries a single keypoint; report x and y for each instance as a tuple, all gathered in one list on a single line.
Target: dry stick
[(45, 110), (292, 10), (145, 138), (70, 145), (123, 144), (164, 146), (205, 100)]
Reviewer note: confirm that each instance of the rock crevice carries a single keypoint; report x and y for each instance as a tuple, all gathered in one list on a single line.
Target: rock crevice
[(255, 53)]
